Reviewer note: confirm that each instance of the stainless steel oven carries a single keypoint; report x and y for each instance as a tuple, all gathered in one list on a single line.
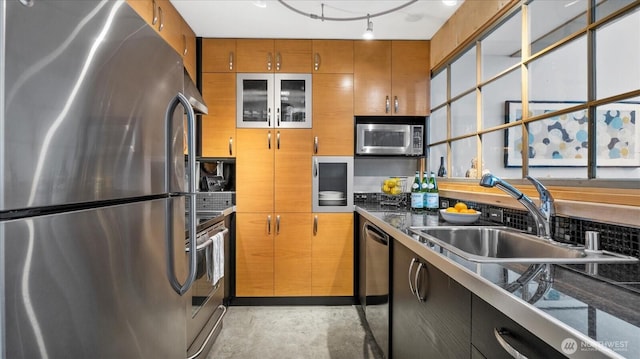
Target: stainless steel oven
[(205, 307)]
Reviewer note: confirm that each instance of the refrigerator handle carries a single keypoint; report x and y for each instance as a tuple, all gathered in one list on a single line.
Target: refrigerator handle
[(181, 289)]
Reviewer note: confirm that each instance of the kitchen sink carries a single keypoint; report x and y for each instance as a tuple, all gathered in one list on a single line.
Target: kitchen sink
[(506, 245)]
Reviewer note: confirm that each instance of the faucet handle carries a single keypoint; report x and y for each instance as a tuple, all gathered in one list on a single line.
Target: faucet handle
[(546, 200)]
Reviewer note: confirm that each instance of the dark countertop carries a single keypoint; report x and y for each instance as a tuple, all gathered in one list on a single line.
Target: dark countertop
[(602, 313)]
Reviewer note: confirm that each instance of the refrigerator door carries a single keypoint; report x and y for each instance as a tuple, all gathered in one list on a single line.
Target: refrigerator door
[(93, 284), (86, 90)]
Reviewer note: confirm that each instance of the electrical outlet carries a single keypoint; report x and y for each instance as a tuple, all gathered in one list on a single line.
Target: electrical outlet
[(444, 203), (496, 215)]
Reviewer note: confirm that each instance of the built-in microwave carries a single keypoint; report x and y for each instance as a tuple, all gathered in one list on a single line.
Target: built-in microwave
[(392, 137)]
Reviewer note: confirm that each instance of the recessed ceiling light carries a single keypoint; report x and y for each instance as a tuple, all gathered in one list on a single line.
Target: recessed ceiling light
[(450, 2)]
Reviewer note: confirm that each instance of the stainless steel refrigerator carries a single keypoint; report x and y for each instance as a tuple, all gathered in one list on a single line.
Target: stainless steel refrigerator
[(92, 192)]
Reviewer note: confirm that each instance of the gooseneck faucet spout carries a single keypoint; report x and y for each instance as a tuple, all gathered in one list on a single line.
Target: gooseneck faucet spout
[(542, 215)]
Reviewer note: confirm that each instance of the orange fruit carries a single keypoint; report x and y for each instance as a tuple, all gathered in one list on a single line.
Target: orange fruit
[(460, 206), (451, 210)]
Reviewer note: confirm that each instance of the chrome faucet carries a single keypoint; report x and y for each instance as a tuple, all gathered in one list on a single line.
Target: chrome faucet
[(542, 215)]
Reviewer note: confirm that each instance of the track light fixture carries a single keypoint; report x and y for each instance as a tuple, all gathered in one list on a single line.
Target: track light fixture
[(368, 33)]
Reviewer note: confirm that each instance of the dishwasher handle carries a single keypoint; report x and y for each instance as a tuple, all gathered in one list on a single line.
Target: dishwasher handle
[(373, 232)]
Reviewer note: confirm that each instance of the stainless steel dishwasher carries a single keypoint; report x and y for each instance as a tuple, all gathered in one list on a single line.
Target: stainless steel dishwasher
[(376, 301)]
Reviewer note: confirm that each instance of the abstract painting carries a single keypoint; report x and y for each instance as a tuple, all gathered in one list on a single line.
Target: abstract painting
[(563, 140)]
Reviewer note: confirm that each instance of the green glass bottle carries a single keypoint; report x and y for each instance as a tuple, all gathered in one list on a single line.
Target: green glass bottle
[(417, 203), (432, 195)]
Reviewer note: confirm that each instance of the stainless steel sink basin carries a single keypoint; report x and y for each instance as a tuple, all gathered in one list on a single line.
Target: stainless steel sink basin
[(506, 245)]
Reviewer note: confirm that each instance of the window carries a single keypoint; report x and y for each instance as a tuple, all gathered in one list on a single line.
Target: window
[(565, 107)]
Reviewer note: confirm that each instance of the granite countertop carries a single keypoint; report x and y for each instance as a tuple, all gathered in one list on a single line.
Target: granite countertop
[(600, 314)]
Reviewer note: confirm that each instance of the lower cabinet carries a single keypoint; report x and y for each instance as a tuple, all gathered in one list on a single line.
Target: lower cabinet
[(431, 312), (490, 327), (294, 254)]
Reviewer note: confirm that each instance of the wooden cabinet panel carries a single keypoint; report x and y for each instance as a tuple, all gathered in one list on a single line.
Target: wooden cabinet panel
[(219, 126), (293, 56), (188, 49), (254, 172), (169, 27), (293, 170), (332, 255), (219, 55), (372, 77), (254, 255), (333, 114), (292, 254), (410, 77), (332, 56), (255, 55), (147, 9), (286, 56), (391, 78)]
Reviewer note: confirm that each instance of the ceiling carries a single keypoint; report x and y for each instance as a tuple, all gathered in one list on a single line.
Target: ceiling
[(246, 19)]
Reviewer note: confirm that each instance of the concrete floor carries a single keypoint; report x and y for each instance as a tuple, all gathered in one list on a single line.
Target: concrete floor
[(336, 332)]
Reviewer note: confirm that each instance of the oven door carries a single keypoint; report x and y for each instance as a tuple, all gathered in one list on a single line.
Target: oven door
[(382, 139), (204, 296)]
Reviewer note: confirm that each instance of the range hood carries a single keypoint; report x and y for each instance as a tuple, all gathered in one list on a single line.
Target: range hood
[(193, 95)]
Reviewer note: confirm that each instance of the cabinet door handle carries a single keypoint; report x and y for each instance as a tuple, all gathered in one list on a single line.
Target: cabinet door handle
[(269, 61), (278, 117), (278, 61), (315, 167), (184, 41), (269, 140), (506, 346), (413, 261), (155, 13), (278, 224), (316, 61), (396, 104), (278, 140), (315, 145), (269, 117), (417, 282), (230, 146), (161, 19), (315, 225), (269, 224), (387, 105), (230, 60)]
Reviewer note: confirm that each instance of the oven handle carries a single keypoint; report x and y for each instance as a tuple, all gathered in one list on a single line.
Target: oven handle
[(215, 326), (207, 243)]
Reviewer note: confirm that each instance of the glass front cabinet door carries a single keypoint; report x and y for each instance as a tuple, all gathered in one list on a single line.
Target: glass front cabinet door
[(273, 100), (332, 184)]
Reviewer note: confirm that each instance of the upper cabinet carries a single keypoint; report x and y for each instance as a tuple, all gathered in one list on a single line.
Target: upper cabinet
[(273, 100), (285, 56), (391, 78), (219, 55), (167, 22), (332, 56)]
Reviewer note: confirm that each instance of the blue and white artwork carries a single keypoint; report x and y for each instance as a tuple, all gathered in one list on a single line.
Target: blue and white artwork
[(563, 140)]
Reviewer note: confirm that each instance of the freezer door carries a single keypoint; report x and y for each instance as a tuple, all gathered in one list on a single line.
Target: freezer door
[(86, 89), (94, 284)]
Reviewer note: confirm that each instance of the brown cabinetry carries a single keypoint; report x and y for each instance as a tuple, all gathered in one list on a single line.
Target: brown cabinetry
[(219, 55), (333, 114), (254, 254), (391, 78), (219, 125), (332, 254), (166, 20), (285, 56), (332, 56)]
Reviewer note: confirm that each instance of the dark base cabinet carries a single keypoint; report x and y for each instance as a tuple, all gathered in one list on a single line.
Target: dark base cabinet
[(486, 319), (438, 325)]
